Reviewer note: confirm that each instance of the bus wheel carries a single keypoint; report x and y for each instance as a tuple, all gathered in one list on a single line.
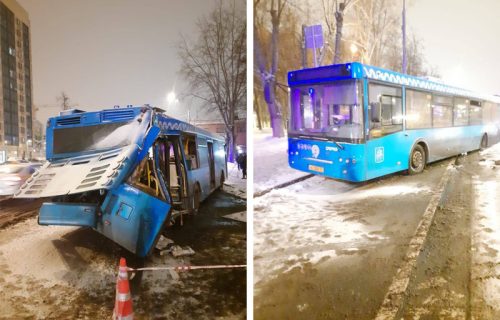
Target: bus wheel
[(484, 142), (417, 160), (196, 199)]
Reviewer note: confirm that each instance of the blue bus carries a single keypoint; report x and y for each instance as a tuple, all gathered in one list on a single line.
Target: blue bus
[(125, 172), (357, 122)]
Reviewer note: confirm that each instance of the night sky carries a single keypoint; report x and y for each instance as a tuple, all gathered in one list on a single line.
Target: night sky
[(112, 52)]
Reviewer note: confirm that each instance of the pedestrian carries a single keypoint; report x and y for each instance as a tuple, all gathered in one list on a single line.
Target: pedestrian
[(243, 164)]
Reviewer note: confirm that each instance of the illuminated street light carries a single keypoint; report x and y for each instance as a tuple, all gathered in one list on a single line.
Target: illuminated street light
[(354, 48), (172, 98)]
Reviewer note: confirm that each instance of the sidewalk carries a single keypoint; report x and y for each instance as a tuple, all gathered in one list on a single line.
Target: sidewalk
[(271, 167), (234, 183)]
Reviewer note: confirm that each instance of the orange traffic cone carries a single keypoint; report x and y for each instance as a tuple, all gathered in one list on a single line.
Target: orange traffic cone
[(123, 303)]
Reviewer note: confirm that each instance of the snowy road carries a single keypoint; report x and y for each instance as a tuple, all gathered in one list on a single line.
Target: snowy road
[(69, 273), (328, 249)]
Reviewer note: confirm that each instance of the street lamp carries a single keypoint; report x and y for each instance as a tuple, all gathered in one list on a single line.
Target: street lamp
[(171, 98), (354, 48), (354, 51)]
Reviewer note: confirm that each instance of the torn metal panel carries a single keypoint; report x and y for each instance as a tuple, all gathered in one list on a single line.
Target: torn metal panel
[(78, 174)]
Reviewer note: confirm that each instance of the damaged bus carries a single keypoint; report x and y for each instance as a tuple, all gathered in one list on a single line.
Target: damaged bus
[(125, 172), (357, 122)]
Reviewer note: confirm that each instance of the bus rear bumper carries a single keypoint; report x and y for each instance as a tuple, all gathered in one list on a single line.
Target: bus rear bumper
[(68, 214)]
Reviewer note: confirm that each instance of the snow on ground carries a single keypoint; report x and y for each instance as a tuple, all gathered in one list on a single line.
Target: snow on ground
[(486, 228), (312, 221), (234, 183), (271, 161)]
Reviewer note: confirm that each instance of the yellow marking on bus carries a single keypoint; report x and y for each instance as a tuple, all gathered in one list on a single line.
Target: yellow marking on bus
[(316, 168)]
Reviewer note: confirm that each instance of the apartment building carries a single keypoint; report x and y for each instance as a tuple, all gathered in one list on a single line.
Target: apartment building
[(16, 106)]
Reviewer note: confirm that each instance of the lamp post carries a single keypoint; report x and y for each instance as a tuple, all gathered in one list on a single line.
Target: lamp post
[(403, 30)]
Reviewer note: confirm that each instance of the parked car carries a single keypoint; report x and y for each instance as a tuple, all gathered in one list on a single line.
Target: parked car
[(14, 174)]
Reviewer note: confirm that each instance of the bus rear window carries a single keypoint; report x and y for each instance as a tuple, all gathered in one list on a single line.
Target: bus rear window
[(92, 138)]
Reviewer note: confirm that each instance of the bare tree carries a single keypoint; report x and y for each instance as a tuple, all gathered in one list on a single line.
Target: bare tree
[(268, 74), (63, 99), (215, 66), (340, 8)]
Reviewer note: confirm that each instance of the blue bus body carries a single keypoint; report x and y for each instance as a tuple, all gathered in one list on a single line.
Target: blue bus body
[(357, 122), (125, 172)]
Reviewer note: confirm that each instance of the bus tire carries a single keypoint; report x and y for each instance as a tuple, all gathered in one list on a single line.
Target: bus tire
[(484, 142), (196, 198), (417, 160)]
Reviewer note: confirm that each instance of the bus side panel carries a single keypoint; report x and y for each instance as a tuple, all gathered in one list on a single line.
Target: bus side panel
[(388, 154), (132, 218), (202, 176), (220, 162), (447, 142), (327, 159)]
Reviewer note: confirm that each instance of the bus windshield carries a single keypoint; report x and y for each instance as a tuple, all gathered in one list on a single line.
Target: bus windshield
[(332, 110), (95, 137)]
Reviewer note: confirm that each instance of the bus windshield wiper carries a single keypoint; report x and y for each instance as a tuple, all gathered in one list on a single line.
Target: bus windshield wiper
[(341, 147)]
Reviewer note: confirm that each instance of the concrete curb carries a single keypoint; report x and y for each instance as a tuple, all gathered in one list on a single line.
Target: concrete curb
[(394, 298), (282, 185)]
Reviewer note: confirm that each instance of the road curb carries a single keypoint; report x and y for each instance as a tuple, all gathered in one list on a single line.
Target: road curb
[(394, 298), (282, 185)]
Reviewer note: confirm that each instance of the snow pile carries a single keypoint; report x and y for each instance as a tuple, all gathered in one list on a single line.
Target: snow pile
[(486, 228), (491, 156), (271, 161), (234, 183)]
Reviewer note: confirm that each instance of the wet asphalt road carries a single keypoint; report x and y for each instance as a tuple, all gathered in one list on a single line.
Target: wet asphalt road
[(353, 276), (65, 272)]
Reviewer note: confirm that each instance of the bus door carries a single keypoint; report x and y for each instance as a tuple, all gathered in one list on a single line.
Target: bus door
[(134, 213), (211, 163), (176, 174)]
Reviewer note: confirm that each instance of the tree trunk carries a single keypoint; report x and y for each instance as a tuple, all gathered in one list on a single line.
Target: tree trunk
[(339, 18), (257, 110), (230, 147), (274, 107)]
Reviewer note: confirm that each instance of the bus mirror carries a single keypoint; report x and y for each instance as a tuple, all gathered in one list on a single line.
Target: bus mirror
[(375, 111)]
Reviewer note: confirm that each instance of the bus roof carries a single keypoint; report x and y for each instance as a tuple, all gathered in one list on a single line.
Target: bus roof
[(167, 124), (356, 70)]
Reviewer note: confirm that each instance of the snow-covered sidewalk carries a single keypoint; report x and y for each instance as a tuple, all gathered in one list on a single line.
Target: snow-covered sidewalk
[(271, 162), (486, 236), (234, 183)]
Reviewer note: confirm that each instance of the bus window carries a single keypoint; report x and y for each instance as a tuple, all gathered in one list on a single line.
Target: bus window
[(386, 114), (191, 152), (144, 179), (475, 112), (202, 152), (418, 110), (461, 112), (442, 111)]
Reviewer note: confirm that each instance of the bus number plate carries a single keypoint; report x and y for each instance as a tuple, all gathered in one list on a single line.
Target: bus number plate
[(316, 168)]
